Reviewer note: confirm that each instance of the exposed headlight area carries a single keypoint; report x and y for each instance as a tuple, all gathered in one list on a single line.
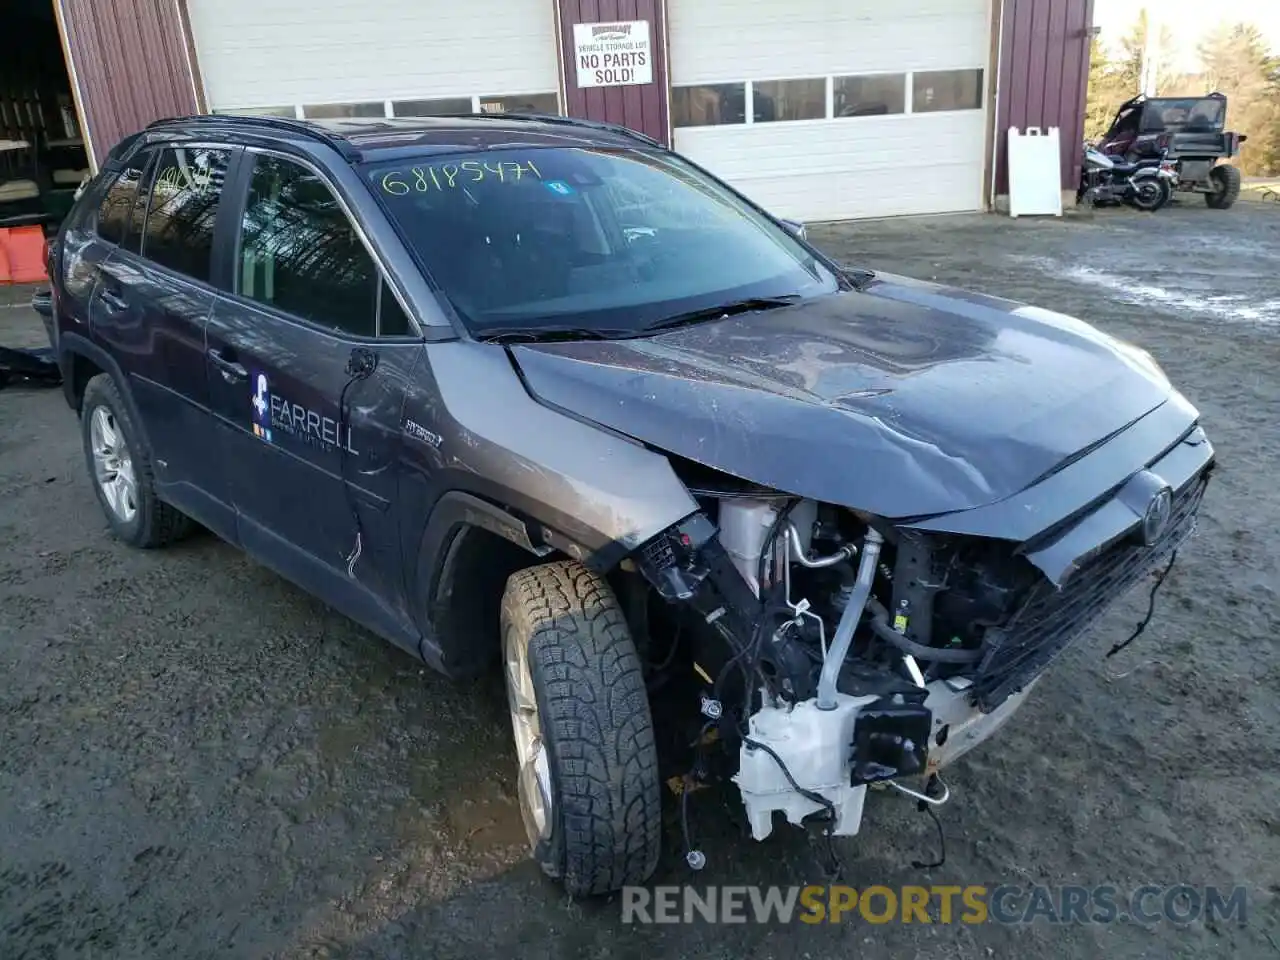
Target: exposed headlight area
[(833, 649)]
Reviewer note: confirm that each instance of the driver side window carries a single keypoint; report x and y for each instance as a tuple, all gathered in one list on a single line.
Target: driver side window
[(301, 255)]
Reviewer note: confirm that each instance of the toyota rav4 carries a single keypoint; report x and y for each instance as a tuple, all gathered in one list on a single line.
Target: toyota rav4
[(538, 391)]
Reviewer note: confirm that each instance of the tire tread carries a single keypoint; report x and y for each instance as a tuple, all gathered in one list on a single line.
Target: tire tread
[(597, 723)]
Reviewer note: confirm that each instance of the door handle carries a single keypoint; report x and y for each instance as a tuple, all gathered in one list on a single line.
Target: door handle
[(231, 371), (113, 300)]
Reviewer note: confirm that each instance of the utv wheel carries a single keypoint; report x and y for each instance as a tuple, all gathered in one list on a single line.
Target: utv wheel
[(120, 467), (1225, 180), (588, 780)]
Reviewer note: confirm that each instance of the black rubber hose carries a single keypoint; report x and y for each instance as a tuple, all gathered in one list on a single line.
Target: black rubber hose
[(880, 627)]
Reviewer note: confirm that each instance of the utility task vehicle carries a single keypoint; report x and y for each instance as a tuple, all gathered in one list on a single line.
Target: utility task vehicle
[(540, 392), (1189, 132)]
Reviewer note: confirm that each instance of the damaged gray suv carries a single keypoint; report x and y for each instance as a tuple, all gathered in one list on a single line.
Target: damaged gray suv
[(539, 391)]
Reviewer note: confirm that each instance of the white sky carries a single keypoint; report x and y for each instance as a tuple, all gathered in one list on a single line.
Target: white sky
[(1187, 20)]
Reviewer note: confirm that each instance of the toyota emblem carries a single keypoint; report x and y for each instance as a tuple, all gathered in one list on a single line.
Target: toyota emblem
[(1156, 520)]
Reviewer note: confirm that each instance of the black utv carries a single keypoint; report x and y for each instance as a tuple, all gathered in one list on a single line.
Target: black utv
[(1187, 130)]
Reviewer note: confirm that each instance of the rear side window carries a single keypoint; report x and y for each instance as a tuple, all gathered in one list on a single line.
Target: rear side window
[(117, 204), (186, 186), (301, 254)]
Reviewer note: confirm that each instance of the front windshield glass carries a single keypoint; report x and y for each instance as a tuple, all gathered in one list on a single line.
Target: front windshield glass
[(1187, 114), (610, 241)]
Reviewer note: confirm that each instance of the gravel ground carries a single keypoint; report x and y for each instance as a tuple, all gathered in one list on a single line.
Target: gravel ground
[(198, 760)]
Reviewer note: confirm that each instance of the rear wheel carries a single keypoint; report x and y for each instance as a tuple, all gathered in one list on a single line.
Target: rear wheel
[(1150, 193), (1225, 181), (588, 780), (120, 467)]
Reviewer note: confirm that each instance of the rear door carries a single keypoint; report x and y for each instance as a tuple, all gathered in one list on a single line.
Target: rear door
[(152, 301), (309, 355)]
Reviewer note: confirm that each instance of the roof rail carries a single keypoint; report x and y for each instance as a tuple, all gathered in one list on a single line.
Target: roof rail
[(344, 147), (567, 121)]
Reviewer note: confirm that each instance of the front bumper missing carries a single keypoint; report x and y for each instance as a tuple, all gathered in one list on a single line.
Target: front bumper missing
[(817, 747)]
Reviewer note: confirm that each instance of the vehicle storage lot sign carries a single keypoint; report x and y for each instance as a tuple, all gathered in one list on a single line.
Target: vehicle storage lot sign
[(613, 54)]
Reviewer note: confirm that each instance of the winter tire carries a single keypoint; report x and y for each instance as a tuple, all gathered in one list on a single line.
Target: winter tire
[(121, 471), (588, 780)]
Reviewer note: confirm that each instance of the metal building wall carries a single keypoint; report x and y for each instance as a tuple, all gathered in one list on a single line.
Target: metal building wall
[(131, 64), (1043, 78)]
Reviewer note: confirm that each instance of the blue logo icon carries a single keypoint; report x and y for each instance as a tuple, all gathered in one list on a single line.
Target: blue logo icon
[(261, 403), (560, 187)]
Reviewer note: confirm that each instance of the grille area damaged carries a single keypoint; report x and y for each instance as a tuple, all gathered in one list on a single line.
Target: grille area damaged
[(829, 650), (1051, 617)]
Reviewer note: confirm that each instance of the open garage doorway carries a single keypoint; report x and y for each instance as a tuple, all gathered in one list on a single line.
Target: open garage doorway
[(43, 154)]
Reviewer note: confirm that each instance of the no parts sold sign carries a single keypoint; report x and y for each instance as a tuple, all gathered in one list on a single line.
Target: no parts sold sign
[(613, 54)]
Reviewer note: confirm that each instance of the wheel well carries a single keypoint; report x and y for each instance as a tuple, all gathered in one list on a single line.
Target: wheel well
[(468, 596), (82, 370)]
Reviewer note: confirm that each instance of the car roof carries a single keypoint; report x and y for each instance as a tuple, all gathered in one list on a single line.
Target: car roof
[(372, 138)]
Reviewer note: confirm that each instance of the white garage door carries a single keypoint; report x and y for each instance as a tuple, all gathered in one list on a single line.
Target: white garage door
[(831, 109), (327, 58)]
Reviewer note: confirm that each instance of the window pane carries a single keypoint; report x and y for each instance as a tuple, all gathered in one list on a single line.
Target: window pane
[(431, 108), (392, 321), (184, 205), (872, 96), (337, 111), (709, 106), (299, 253), (935, 90), (521, 103), (258, 112), (113, 213), (789, 100)]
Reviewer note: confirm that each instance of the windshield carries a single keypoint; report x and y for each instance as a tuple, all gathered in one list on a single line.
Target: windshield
[(1189, 114), (610, 241)]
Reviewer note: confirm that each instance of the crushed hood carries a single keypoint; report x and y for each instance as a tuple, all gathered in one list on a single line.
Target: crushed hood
[(904, 399)]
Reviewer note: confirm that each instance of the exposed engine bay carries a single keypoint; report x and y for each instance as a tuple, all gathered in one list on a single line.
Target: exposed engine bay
[(834, 650)]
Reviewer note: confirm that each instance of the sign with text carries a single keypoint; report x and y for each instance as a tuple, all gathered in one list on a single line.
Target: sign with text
[(613, 54)]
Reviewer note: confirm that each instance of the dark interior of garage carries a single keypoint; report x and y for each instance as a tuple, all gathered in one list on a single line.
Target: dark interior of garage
[(42, 153)]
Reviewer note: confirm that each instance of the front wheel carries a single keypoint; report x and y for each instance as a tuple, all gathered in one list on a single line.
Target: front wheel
[(588, 777), (1225, 181), (1150, 193)]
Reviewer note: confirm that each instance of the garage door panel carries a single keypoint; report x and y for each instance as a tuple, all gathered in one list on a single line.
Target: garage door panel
[(863, 167), (928, 158), (721, 40), (257, 53)]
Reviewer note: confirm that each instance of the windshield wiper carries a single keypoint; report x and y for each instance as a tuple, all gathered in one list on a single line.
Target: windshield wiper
[(547, 334), (749, 305), (859, 276)]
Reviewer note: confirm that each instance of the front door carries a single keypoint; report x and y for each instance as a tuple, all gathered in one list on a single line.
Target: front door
[(308, 359), (615, 63)]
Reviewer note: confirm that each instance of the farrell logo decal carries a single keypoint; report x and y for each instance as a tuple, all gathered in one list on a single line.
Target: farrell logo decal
[(261, 407), (273, 415)]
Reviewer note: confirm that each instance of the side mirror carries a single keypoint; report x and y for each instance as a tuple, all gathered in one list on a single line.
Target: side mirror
[(794, 227)]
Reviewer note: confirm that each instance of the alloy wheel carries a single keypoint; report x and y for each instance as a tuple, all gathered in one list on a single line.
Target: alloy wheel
[(534, 781), (113, 465)]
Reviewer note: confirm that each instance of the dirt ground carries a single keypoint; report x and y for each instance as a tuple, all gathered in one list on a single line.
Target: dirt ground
[(198, 760)]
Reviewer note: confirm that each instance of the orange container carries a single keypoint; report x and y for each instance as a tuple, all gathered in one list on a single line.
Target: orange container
[(22, 255)]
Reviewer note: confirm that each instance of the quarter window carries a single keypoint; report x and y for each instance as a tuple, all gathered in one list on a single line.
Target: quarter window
[(934, 90), (186, 186), (114, 211), (300, 254)]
